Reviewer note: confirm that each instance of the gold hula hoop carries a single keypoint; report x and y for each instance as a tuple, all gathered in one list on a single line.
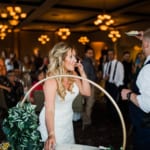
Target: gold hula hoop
[(96, 85)]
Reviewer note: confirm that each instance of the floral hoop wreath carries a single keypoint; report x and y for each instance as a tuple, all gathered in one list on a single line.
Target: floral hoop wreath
[(94, 84)]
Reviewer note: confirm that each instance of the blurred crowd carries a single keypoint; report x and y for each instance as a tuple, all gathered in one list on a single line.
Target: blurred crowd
[(16, 76)]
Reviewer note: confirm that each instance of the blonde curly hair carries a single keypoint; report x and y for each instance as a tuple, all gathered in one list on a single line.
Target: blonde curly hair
[(56, 57)]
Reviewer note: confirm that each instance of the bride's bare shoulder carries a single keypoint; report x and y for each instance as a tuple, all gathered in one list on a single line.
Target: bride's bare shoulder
[(50, 82)]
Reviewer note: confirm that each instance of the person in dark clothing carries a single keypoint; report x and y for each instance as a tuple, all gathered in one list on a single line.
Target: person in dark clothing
[(128, 81), (38, 60), (91, 74), (127, 64), (139, 101), (16, 90)]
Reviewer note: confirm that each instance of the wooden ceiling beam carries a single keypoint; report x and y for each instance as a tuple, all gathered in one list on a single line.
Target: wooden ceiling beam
[(43, 8)]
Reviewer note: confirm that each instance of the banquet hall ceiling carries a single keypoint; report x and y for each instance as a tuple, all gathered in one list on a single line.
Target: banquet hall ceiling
[(79, 15)]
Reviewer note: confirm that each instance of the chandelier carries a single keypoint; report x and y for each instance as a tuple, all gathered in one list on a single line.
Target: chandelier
[(14, 14), (63, 33), (114, 35), (83, 40), (104, 21), (4, 29), (43, 39)]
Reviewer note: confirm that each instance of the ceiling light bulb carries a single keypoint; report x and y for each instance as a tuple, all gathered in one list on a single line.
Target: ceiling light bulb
[(18, 9), (16, 17), (9, 8), (9, 30), (12, 13), (103, 27), (106, 16), (2, 38), (1, 26), (118, 35), (114, 39), (13, 22), (110, 35), (64, 37), (23, 15), (111, 21), (107, 23), (4, 15), (43, 42), (101, 17), (48, 39)]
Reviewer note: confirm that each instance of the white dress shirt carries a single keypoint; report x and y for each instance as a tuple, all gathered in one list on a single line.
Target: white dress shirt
[(119, 75), (9, 65), (143, 83)]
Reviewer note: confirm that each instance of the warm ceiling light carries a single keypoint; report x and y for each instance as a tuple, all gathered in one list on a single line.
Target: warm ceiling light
[(44, 39), (4, 29), (83, 40), (23, 15), (9, 8), (2, 35), (114, 39), (114, 35), (13, 14), (104, 21), (14, 22), (64, 37), (103, 27), (106, 16), (9, 30), (16, 17), (63, 33), (18, 9), (4, 15)]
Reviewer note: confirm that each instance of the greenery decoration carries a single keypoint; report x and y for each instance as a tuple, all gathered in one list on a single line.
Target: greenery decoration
[(20, 128)]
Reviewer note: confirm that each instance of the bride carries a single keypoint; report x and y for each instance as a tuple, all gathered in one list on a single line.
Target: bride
[(56, 116)]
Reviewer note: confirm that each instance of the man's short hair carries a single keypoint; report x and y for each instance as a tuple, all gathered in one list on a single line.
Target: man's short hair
[(87, 47)]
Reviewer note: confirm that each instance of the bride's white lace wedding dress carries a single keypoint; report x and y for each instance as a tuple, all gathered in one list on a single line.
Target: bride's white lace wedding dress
[(64, 132)]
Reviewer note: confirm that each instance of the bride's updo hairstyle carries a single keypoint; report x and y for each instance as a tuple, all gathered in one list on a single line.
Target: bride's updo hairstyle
[(56, 58)]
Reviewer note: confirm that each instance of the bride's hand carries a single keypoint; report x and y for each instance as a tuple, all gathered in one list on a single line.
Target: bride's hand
[(80, 67), (50, 143)]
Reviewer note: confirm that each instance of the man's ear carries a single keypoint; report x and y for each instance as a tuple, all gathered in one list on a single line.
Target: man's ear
[(146, 44)]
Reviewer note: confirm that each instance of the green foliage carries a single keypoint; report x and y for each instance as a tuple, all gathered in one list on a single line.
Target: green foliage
[(20, 128)]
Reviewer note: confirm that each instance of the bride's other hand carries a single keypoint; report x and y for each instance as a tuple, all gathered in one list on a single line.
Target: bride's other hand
[(80, 67), (50, 143)]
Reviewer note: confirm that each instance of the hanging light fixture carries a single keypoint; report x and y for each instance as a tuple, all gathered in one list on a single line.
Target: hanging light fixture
[(44, 39), (4, 29), (13, 13), (114, 35), (104, 21), (63, 33), (83, 40)]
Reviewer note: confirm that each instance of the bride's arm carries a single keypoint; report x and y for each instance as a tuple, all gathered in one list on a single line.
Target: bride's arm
[(50, 88)]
